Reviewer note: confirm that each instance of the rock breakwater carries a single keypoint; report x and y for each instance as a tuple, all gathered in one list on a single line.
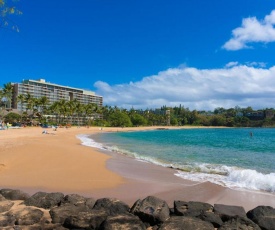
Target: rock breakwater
[(57, 211)]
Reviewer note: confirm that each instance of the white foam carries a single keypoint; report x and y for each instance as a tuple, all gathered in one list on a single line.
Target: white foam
[(252, 179), (235, 178), (87, 141)]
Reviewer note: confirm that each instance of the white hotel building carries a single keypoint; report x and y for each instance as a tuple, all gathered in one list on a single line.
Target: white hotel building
[(54, 92)]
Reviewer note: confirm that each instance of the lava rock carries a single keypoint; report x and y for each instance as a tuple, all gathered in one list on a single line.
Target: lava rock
[(125, 222), (182, 208), (86, 220), (151, 210), (44, 200), (242, 223), (112, 206), (264, 216), (226, 212), (11, 194), (184, 222)]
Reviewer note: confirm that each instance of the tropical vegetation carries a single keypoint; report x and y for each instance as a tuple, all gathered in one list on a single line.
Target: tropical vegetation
[(41, 111)]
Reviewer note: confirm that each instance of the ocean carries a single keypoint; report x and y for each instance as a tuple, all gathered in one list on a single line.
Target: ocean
[(239, 158)]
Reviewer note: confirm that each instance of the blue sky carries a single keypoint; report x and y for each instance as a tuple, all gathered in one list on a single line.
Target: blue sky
[(200, 54)]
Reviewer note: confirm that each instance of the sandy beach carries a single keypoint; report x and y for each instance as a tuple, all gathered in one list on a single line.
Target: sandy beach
[(57, 162)]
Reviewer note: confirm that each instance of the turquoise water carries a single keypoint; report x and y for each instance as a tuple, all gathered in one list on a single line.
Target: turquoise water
[(229, 157)]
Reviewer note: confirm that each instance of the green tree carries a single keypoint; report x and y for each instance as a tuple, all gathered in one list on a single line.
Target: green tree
[(120, 119), (1, 97), (89, 111), (7, 10), (71, 109), (12, 117), (138, 120), (218, 120), (43, 103), (63, 110), (6, 94), (79, 108), (55, 109), (21, 100), (174, 121)]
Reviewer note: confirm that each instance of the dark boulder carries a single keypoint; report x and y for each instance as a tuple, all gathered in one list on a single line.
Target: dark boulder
[(44, 200), (226, 212), (264, 216), (86, 220), (182, 208), (242, 223), (211, 218), (184, 222), (125, 222), (26, 216), (71, 205), (112, 206), (151, 210), (60, 213), (11, 194), (77, 200)]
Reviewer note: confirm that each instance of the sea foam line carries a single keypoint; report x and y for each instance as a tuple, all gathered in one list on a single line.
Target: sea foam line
[(88, 141)]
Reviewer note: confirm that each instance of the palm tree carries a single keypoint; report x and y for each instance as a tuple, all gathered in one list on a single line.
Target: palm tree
[(55, 109), (1, 97), (79, 109), (42, 104), (71, 109), (89, 110), (63, 109), (31, 103), (21, 100), (7, 94)]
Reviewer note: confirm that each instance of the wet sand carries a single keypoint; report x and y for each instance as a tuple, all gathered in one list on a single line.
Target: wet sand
[(57, 162)]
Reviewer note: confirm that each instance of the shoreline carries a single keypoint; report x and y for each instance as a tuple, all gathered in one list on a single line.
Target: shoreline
[(150, 179), (32, 162)]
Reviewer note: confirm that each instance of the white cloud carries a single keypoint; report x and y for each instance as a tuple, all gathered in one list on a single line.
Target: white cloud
[(227, 87), (252, 30), (231, 64)]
